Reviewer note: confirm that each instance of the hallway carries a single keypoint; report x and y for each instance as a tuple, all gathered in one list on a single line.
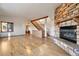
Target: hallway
[(29, 45)]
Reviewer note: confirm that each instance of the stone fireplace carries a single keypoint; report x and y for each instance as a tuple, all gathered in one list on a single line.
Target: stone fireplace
[(66, 24), (69, 46), (67, 17)]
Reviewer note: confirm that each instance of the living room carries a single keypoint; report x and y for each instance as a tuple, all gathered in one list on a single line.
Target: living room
[(39, 29)]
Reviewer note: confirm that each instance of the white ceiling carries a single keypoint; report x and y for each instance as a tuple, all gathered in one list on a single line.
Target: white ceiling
[(29, 10)]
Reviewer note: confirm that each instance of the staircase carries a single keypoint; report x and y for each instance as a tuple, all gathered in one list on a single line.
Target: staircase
[(39, 24)]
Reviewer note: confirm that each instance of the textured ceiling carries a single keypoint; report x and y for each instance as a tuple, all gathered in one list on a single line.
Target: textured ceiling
[(29, 10)]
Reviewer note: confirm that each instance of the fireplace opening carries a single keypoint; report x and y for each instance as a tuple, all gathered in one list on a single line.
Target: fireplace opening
[(68, 33)]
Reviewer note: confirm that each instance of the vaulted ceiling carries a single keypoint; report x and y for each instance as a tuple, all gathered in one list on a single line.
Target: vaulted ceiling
[(29, 10)]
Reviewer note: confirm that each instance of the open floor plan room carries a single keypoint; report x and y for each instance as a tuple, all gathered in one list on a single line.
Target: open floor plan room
[(39, 29)]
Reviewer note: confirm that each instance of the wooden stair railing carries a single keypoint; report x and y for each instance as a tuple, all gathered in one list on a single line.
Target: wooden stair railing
[(39, 25), (36, 24)]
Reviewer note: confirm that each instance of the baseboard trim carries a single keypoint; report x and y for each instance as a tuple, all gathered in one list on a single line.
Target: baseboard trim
[(12, 36)]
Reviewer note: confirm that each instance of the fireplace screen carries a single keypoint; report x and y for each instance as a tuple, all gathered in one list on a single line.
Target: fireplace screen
[(68, 33)]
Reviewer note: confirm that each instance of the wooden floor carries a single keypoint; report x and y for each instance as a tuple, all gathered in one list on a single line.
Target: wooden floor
[(29, 46)]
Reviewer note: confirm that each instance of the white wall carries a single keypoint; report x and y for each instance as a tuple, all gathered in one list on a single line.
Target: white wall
[(20, 22), (50, 26), (19, 25)]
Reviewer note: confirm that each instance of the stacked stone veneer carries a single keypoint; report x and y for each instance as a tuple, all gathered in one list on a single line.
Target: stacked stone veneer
[(67, 23), (78, 35)]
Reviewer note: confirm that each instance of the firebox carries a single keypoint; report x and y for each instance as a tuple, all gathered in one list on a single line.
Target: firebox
[(69, 33)]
